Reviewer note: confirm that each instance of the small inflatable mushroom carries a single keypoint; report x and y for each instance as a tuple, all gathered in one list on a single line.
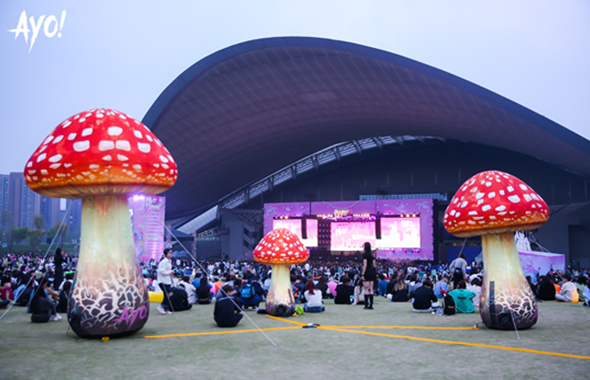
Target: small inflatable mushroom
[(281, 248), (102, 156), (495, 204)]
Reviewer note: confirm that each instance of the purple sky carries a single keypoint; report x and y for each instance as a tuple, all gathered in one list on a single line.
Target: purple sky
[(123, 54)]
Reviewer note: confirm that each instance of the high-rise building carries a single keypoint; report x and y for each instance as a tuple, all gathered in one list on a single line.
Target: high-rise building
[(23, 203), (4, 213), (49, 210)]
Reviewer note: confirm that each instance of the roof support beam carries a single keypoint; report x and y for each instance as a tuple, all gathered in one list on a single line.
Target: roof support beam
[(377, 142), (357, 147)]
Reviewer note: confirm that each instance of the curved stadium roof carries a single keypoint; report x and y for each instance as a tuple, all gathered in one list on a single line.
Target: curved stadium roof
[(253, 108)]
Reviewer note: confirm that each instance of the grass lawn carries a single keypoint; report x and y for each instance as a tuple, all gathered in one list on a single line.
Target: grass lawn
[(45, 351)]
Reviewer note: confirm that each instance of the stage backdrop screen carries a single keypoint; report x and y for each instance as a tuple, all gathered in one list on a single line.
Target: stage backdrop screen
[(351, 236), (399, 233), (294, 225)]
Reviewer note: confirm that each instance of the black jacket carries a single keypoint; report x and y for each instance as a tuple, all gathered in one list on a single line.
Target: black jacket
[(423, 297), (343, 293), (225, 313)]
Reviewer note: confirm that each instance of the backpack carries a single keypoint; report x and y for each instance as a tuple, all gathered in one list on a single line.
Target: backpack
[(247, 291), (449, 306)]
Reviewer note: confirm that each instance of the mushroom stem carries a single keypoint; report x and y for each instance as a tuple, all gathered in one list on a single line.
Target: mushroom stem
[(505, 293), (279, 300), (109, 295)]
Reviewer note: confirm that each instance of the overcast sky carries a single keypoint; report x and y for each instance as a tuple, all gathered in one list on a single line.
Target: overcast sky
[(123, 54)]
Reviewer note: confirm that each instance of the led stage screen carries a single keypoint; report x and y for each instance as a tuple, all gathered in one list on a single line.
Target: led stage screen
[(351, 236), (294, 225), (399, 233)]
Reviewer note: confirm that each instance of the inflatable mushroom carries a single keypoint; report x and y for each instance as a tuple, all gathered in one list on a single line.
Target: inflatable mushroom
[(281, 248), (102, 156), (494, 205)]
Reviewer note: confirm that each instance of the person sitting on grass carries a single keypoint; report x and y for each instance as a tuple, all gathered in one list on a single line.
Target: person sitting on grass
[(475, 286), (463, 298), (42, 309), (204, 295), (546, 289), (568, 292), (314, 298), (581, 283), (391, 283), (226, 312), (251, 292), (400, 292), (344, 292), (424, 297), (441, 288), (64, 296), (382, 285), (5, 292)]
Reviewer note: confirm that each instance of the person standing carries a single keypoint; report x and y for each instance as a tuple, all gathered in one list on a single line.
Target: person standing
[(368, 275), (59, 270), (165, 281), (458, 269)]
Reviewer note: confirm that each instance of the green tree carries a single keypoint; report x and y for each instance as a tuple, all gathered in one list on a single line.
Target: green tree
[(17, 235), (5, 223), (36, 234), (63, 232)]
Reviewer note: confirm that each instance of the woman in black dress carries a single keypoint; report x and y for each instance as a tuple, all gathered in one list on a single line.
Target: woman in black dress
[(59, 271), (368, 275)]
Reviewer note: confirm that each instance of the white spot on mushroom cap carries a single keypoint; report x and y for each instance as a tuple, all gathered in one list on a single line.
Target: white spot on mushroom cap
[(514, 198), (137, 167), (163, 159), (121, 157), (48, 140), (86, 132), (149, 137), (485, 207), (30, 164), (473, 212), (144, 147), (107, 157), (479, 195), (66, 124), (41, 157), (492, 194), (94, 166), (44, 172), (137, 133), (106, 145), (123, 145), (71, 136), (114, 131), (55, 158), (57, 139), (527, 197), (81, 146), (510, 189), (523, 187)]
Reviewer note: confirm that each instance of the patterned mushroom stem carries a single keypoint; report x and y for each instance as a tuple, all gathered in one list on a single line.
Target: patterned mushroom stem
[(505, 295), (109, 295), (280, 300)]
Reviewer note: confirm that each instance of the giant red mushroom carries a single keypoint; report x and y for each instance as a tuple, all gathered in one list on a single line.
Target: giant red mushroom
[(495, 204), (102, 156), (281, 248)]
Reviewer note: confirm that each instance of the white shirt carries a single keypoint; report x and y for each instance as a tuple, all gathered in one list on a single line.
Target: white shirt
[(569, 291), (314, 299), (190, 291), (165, 271)]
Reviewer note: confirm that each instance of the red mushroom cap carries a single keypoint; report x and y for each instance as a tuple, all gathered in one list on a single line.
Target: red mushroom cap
[(494, 202), (281, 246), (100, 152)]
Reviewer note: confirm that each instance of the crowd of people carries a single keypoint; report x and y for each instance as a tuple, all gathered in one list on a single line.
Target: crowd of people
[(43, 285)]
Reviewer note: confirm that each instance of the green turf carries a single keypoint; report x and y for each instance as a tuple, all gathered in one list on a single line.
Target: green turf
[(44, 351)]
